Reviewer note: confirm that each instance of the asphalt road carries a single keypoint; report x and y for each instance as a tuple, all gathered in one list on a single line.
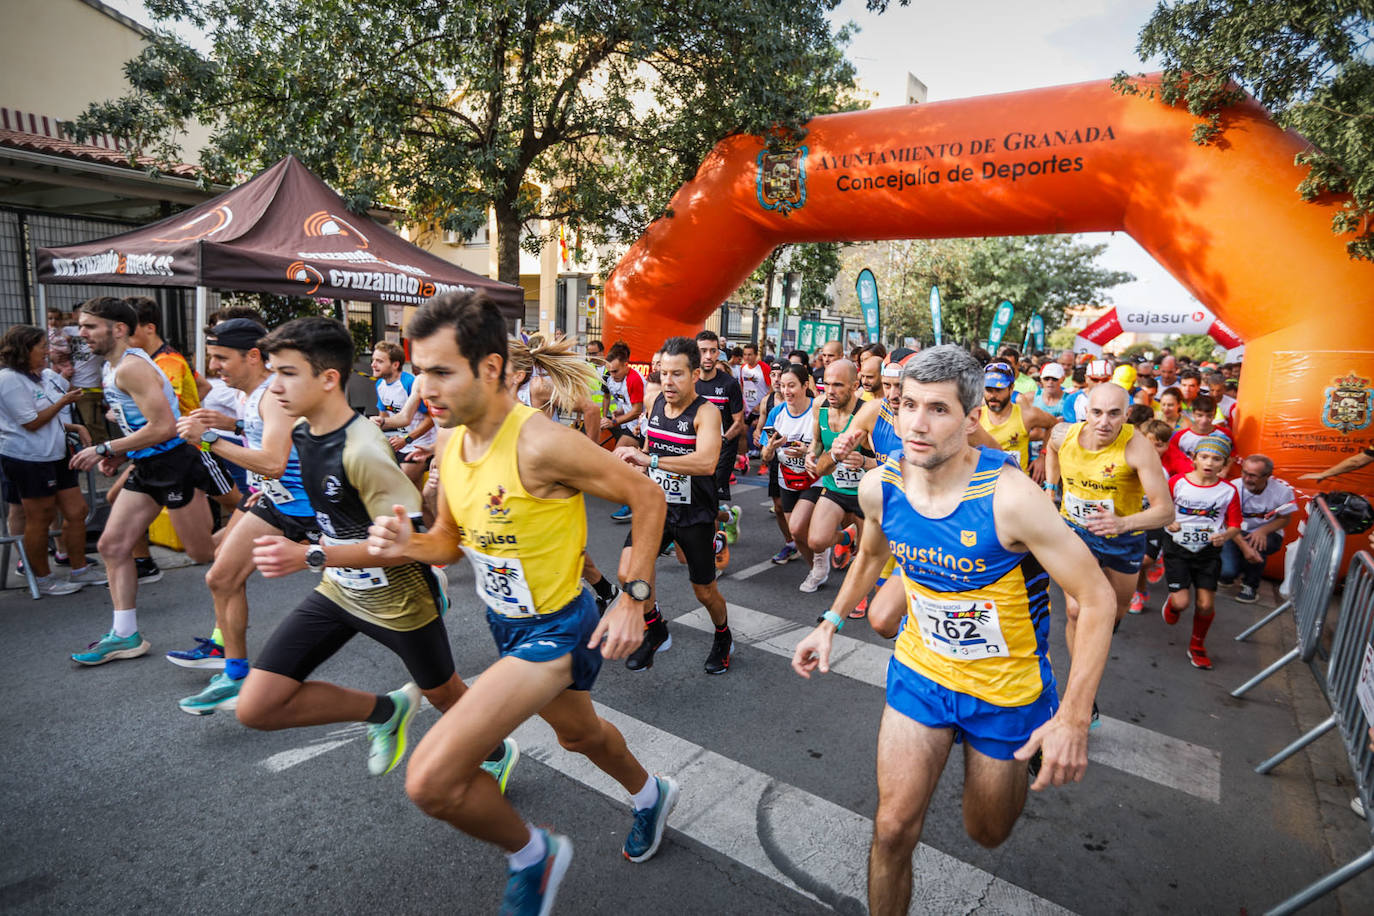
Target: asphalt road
[(114, 800)]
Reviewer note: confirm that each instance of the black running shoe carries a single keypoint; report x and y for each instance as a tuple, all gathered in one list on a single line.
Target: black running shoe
[(148, 570), (1036, 762), (1096, 719), (656, 639), (603, 603), (718, 662)]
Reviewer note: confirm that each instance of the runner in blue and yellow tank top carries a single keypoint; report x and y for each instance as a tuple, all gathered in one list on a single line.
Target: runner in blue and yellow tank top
[(978, 544), (511, 484)]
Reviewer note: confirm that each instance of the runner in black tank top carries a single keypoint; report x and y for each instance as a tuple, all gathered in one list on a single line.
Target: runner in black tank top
[(683, 444)]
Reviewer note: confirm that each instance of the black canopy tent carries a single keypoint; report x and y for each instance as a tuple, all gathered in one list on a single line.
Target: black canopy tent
[(283, 231)]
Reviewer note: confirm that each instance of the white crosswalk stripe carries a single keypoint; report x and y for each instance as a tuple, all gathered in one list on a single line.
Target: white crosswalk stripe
[(1120, 745), (750, 571), (795, 838)]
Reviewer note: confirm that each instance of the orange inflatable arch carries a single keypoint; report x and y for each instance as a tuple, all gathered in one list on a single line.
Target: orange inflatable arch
[(1225, 220)]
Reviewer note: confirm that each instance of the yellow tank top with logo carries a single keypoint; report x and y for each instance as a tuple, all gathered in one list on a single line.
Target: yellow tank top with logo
[(526, 552), (1011, 434), (1098, 478)]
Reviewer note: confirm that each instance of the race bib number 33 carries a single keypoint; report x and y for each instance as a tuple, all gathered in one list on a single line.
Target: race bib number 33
[(965, 630)]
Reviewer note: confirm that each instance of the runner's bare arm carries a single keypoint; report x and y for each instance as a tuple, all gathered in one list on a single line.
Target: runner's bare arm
[(270, 461), (701, 462), (1141, 455), (393, 536), (401, 419), (1055, 442), (1026, 519), (554, 462), (813, 652)]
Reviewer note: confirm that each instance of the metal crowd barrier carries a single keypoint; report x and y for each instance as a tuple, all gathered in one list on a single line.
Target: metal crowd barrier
[(1314, 578), (1351, 652)]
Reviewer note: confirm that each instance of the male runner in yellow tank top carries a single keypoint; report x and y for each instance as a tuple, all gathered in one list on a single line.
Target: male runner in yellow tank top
[(1105, 470), (1012, 422), (510, 497)]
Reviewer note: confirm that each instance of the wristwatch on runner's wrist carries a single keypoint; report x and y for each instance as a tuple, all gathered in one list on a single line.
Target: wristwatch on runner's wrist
[(314, 557), (637, 589)]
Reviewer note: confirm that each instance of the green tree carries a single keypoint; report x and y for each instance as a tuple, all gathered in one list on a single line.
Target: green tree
[(1042, 274), (1311, 63), (1198, 346), (444, 109)]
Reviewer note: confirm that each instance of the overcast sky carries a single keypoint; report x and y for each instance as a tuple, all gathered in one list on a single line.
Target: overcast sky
[(976, 47)]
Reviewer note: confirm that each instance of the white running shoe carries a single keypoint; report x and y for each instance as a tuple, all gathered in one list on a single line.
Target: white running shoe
[(820, 573), (51, 585), (90, 574)]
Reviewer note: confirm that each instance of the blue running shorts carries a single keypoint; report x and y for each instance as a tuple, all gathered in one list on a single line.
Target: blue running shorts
[(1122, 553), (995, 731), (551, 636)]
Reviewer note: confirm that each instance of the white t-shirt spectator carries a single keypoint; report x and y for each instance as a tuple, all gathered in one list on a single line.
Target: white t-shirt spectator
[(86, 366), (1258, 509), (21, 398), (627, 392), (753, 383)]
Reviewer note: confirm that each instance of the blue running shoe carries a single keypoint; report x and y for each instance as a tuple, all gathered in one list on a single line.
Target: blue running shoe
[(623, 514), (531, 891), (111, 647), (500, 770), (223, 693), (647, 831), (206, 654), (388, 739), (1096, 719), (786, 554)]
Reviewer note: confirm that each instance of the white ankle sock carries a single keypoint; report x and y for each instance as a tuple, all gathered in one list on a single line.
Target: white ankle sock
[(125, 622), (530, 854), (646, 797)]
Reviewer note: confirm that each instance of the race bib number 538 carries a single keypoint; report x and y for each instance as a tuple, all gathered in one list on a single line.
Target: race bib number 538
[(964, 631), (501, 584)]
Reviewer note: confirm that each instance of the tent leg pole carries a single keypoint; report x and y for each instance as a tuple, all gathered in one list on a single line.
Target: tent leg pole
[(202, 316)]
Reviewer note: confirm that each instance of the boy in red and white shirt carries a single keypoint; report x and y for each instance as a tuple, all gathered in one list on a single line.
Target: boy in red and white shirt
[(1206, 515), (1178, 457)]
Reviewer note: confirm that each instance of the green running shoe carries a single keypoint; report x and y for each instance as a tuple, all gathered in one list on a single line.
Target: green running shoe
[(222, 693), (731, 528), (500, 770), (388, 740), (111, 647)]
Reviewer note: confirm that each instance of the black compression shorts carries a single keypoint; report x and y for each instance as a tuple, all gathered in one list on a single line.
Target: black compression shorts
[(318, 628)]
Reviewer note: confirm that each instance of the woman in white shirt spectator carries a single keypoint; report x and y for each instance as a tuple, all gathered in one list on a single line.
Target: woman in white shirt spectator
[(34, 419)]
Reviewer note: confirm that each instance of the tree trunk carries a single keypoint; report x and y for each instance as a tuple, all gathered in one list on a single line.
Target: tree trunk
[(507, 243)]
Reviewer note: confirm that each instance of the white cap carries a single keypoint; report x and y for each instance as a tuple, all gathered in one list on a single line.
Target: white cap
[(1052, 370)]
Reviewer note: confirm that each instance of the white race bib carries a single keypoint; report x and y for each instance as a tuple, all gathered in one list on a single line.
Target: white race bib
[(1080, 510), (360, 579), (964, 631), (847, 477), (501, 584), (269, 487), (1194, 537), (677, 488)]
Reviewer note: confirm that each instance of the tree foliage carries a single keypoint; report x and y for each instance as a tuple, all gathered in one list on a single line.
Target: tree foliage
[(1045, 274), (818, 263), (1310, 62), (591, 112)]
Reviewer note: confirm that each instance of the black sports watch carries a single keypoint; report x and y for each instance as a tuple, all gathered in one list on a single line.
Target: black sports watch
[(637, 589), (314, 557)]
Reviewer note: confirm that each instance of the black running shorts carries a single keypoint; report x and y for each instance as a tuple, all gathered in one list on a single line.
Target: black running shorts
[(1187, 568), (172, 477), (318, 628), (698, 546)]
